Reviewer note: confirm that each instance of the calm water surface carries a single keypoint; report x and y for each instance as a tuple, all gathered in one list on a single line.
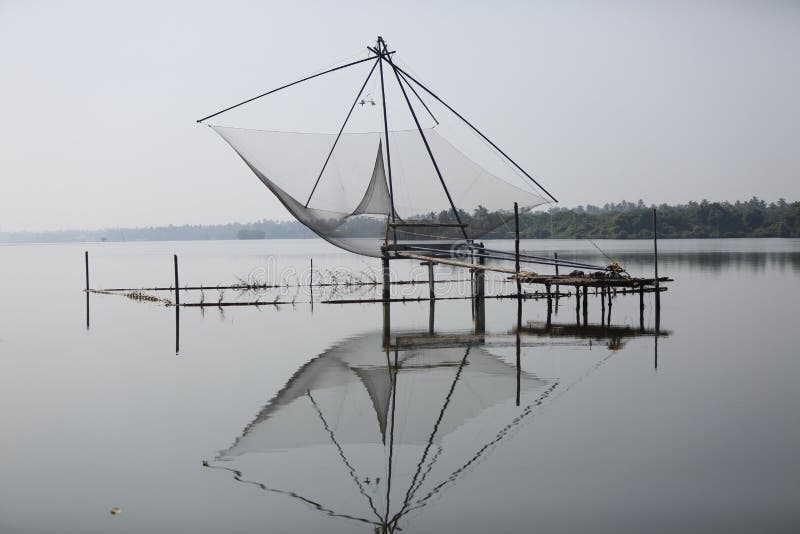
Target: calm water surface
[(288, 418)]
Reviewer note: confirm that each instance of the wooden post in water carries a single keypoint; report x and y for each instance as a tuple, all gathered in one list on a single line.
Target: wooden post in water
[(578, 304), (177, 293), (549, 305), (655, 263), (603, 305), (386, 281), (516, 248), (86, 261), (555, 257), (431, 292), (608, 291), (585, 306), (177, 307), (479, 294)]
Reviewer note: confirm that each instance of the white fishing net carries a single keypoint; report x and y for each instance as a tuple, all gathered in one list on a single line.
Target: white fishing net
[(343, 186)]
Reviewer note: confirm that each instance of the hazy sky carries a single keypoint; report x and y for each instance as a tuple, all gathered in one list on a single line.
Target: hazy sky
[(602, 101)]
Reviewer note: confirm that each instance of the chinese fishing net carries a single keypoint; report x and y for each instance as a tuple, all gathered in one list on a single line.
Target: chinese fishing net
[(433, 179)]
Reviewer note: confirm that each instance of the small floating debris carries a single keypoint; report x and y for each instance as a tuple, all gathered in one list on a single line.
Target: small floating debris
[(116, 511)]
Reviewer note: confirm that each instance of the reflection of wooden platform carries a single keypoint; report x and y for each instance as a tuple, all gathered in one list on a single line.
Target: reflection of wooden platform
[(593, 331), (614, 334)]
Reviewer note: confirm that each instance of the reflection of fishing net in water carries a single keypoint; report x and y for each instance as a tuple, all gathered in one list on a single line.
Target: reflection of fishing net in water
[(358, 439), (425, 175)]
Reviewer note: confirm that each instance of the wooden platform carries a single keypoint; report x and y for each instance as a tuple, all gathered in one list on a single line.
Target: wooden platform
[(527, 277)]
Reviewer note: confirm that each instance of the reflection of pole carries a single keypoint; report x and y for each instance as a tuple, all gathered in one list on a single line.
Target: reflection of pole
[(655, 350), (393, 372), (87, 310), (641, 307), (386, 327), (431, 317), (519, 344)]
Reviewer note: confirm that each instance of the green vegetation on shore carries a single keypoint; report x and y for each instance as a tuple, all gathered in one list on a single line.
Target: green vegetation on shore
[(625, 220)]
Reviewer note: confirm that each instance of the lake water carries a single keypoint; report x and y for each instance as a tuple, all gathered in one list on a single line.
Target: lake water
[(288, 418)]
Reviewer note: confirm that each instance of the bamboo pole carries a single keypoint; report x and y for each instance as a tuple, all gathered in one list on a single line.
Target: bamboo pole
[(549, 305), (177, 292), (555, 257), (585, 306), (516, 247), (86, 261), (386, 280), (602, 305), (430, 281), (655, 264)]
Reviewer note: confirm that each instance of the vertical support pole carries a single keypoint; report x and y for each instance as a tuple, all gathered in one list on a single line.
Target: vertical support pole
[(578, 304), (655, 265), (608, 291), (555, 257), (177, 307), (311, 283), (431, 292), (516, 248), (86, 261), (585, 306), (177, 329), (603, 305), (549, 305), (386, 281), (479, 292), (386, 133), (177, 293), (427, 148), (431, 317)]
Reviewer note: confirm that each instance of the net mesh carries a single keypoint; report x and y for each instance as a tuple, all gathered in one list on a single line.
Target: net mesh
[(343, 187)]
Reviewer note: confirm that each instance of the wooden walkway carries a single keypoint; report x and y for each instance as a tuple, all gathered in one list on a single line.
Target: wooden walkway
[(527, 277)]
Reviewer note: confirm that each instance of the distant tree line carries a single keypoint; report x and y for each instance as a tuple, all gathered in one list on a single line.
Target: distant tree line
[(628, 220), (624, 220)]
